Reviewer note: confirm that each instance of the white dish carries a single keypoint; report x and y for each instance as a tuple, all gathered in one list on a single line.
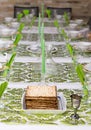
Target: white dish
[(61, 105)]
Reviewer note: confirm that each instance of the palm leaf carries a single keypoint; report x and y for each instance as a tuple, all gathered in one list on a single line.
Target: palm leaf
[(80, 73), (70, 49), (9, 63), (48, 12), (66, 18), (17, 39), (21, 27), (19, 16), (64, 34), (3, 87), (56, 24), (26, 11), (32, 21)]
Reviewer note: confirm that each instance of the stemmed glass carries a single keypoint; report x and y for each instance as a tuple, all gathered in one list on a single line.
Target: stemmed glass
[(75, 100)]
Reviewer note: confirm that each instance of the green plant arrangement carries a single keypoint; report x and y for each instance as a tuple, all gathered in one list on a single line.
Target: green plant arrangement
[(3, 87), (9, 63), (26, 12), (19, 16), (21, 27), (48, 12), (56, 24), (78, 66), (32, 21), (66, 18)]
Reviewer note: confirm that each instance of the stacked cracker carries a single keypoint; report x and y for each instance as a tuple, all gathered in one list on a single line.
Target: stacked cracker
[(41, 97)]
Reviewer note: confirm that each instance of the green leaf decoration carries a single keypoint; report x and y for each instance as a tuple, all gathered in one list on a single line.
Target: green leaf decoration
[(86, 92), (70, 49), (56, 24), (21, 27), (66, 18), (17, 39), (3, 87), (19, 16), (64, 34), (6, 72), (9, 63), (48, 12), (80, 73), (26, 12), (32, 21)]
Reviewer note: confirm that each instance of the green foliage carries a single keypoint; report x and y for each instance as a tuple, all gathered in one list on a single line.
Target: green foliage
[(64, 34), (48, 12), (70, 49), (32, 21), (86, 92), (19, 16), (21, 27), (25, 12), (56, 24), (3, 87), (78, 67), (9, 63), (66, 18), (80, 73), (17, 39)]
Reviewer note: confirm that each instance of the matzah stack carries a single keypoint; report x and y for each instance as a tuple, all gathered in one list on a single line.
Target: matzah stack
[(41, 97)]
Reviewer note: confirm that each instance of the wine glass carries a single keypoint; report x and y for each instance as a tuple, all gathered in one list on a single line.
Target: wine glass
[(75, 100)]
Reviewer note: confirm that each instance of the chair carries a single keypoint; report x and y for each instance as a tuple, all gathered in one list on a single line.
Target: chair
[(20, 8), (60, 11)]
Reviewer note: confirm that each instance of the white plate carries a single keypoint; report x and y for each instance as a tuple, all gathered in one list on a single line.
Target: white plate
[(61, 106)]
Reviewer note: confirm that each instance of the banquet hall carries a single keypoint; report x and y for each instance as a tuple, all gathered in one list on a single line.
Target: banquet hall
[(45, 64)]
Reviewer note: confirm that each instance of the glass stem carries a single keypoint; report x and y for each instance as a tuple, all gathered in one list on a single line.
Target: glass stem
[(75, 111)]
